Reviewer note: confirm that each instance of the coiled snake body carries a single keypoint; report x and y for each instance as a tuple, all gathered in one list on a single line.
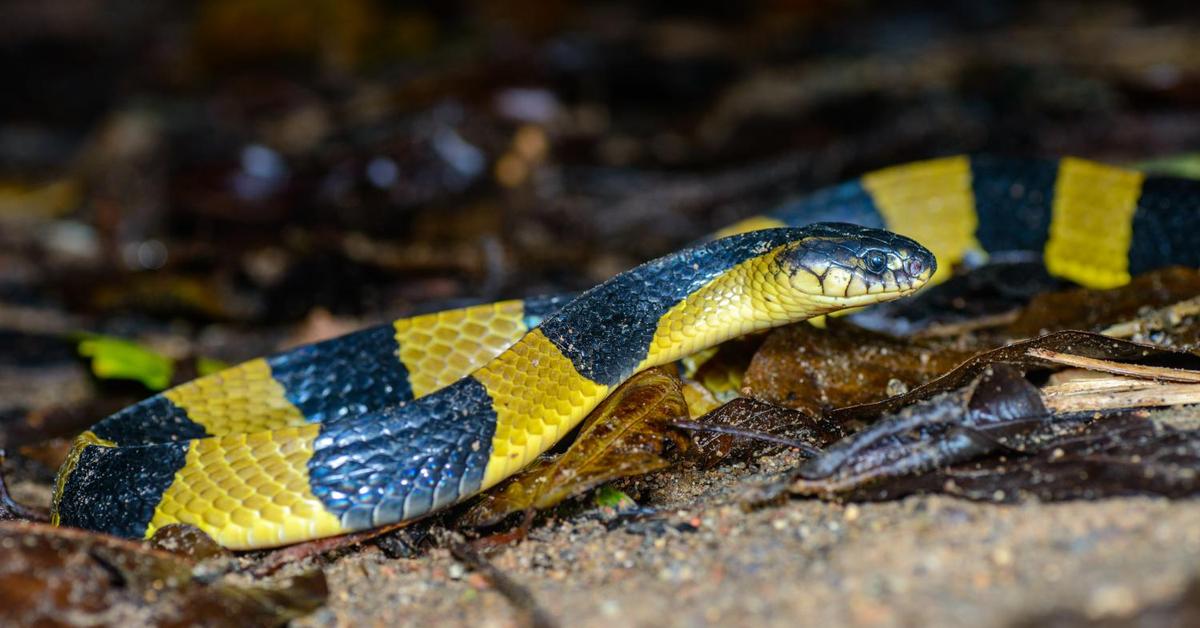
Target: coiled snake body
[(328, 439)]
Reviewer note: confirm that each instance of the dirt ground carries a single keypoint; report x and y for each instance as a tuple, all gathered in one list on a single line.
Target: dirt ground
[(703, 560)]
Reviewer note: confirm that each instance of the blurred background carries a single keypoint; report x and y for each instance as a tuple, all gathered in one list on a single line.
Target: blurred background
[(223, 178), (186, 185)]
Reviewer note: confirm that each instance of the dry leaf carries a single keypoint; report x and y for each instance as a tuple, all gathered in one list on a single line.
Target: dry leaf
[(624, 436)]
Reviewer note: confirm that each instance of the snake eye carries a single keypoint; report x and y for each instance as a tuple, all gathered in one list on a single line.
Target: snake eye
[(876, 261)]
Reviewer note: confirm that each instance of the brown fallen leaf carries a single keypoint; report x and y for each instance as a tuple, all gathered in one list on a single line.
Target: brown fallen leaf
[(714, 377), (813, 370), (747, 427), (1088, 309), (1114, 455), (624, 436), (999, 411), (53, 575), (1077, 343), (1176, 325), (1004, 422)]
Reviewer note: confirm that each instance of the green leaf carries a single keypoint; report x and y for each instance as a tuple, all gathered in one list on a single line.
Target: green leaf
[(609, 497), (1186, 165), (117, 358), (208, 366)]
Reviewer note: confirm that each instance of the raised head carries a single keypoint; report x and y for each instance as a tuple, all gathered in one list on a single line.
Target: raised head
[(842, 265)]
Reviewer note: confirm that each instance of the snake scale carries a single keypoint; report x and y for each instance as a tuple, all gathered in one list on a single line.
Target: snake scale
[(393, 422)]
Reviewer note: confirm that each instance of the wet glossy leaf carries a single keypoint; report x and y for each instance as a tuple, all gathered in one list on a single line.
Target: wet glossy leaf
[(117, 358), (1001, 411), (1114, 455), (624, 436), (812, 370), (50, 575)]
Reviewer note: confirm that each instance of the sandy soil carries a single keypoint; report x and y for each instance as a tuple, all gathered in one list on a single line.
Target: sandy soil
[(922, 561)]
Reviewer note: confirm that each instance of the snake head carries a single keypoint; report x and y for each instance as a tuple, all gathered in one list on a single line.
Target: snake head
[(843, 265)]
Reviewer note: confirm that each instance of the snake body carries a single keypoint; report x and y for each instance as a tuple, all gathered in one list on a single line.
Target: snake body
[(261, 454), (358, 471)]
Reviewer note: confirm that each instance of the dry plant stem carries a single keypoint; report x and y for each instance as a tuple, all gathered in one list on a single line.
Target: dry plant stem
[(501, 539), (1115, 393), (271, 563), (1117, 368), (531, 614), (17, 510), (802, 446)]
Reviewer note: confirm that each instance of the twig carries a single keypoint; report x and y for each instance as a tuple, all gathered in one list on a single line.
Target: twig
[(11, 508), (1073, 397), (532, 615), (696, 426), (506, 538), (271, 563), (1117, 368)]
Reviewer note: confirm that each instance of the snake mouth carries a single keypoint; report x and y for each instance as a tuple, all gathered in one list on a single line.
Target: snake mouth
[(839, 301)]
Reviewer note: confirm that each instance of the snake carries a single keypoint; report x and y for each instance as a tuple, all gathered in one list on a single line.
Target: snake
[(394, 422)]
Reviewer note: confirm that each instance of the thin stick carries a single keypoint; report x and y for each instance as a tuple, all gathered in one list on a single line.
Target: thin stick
[(1117, 368), (271, 563), (531, 614), (695, 426), (1064, 399), (11, 508)]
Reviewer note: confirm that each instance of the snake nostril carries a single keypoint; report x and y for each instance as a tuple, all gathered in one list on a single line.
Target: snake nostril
[(914, 267)]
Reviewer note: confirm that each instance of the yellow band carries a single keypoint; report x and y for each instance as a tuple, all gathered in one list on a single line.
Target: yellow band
[(1091, 227)]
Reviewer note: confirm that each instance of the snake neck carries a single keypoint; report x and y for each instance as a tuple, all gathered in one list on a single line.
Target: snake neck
[(743, 300)]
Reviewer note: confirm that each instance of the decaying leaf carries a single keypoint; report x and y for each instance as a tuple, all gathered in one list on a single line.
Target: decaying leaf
[(1078, 343), (1000, 411), (622, 437), (1093, 310), (53, 575), (187, 541), (11, 509), (986, 406), (746, 427), (812, 370), (1122, 454)]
